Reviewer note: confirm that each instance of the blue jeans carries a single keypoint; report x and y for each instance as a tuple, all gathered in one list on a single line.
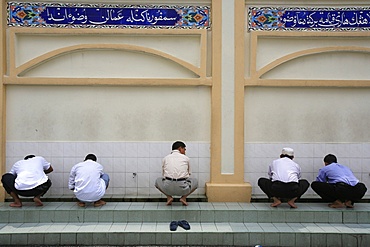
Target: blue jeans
[(106, 179)]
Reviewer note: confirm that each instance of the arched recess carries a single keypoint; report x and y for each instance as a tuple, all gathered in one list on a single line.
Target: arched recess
[(255, 77), (14, 75), (308, 52), (75, 48)]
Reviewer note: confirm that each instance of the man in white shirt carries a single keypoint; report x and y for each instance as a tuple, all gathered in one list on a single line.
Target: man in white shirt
[(175, 180), (284, 180), (88, 181), (27, 177)]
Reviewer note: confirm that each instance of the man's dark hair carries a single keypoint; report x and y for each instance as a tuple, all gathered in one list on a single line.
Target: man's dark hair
[(91, 157), (330, 158), (30, 156), (178, 144)]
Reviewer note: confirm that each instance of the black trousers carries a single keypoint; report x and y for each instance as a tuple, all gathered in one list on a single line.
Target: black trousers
[(283, 190), (8, 181), (339, 191)]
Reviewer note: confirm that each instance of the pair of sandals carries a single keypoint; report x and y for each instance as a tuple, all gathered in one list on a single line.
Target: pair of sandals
[(182, 223)]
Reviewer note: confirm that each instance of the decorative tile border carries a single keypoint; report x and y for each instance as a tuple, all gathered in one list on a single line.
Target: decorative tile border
[(68, 15), (308, 19)]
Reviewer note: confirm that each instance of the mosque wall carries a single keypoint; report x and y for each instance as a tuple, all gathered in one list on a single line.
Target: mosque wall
[(309, 90), (124, 94), (127, 94)]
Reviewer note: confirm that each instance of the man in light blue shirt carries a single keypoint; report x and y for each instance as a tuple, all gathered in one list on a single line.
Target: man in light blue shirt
[(337, 184)]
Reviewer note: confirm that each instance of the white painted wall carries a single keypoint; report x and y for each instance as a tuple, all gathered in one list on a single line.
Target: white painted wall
[(97, 113), (307, 114)]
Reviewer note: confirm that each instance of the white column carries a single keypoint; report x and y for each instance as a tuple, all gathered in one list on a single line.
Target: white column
[(227, 81)]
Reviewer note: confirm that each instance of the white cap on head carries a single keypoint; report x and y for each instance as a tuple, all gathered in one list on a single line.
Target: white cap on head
[(288, 151)]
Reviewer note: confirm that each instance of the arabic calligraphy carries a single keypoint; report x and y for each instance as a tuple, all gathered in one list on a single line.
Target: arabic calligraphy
[(21, 14), (110, 16), (309, 19)]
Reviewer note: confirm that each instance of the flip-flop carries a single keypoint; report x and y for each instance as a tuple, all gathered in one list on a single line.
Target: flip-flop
[(173, 225), (184, 224)]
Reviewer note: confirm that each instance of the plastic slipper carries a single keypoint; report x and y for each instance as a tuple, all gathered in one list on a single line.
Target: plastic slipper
[(184, 224), (173, 225)]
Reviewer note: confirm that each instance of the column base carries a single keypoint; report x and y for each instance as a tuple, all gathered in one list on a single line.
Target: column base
[(219, 192)]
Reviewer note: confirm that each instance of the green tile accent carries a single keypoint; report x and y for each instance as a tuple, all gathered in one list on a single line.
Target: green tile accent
[(163, 239), (106, 215), (293, 216), (34, 238), (241, 239), (5, 239), (116, 239), (4, 216), (91, 215), (135, 216), (271, 239), (222, 216), (52, 238), (256, 238), (250, 216), (68, 238), (207, 216), (19, 239), (287, 239), (236, 216), (100, 238), (120, 216), (321, 217), (32, 216), (349, 217), (212, 239), (179, 238), (318, 239), (264, 216), (333, 239), (192, 215), (305, 217), (278, 216), (303, 239), (335, 217), (195, 239), (132, 238), (16, 216), (84, 238), (61, 215)]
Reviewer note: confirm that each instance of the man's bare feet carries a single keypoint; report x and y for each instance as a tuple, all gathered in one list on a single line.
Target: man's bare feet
[(276, 202), (38, 201), (183, 201), (349, 204), (15, 204), (99, 203), (337, 204), (81, 204), (291, 202), (169, 200)]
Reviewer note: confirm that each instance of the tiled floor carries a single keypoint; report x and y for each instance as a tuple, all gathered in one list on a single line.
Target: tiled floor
[(222, 224)]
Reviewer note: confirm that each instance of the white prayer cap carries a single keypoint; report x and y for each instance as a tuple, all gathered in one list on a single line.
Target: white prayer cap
[(288, 151)]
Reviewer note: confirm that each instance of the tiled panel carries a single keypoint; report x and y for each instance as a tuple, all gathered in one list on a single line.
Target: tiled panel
[(132, 166), (309, 156)]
